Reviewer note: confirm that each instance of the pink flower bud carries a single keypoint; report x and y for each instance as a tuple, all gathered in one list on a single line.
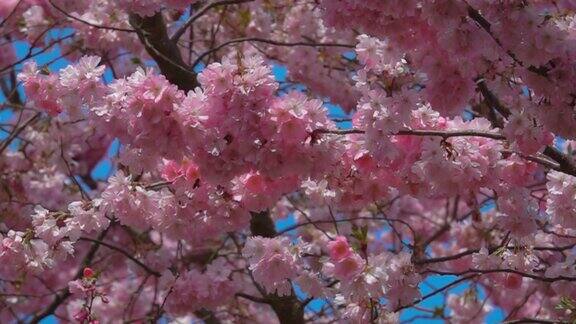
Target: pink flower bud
[(82, 315), (88, 272), (339, 248)]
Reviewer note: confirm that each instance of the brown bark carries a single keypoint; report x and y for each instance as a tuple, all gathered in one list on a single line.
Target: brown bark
[(154, 36)]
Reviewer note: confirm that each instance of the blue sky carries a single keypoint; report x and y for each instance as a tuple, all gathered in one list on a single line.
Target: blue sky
[(104, 169)]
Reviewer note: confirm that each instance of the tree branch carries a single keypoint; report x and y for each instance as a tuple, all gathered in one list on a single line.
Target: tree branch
[(487, 27), (417, 132), (153, 34), (534, 320), (520, 273), (17, 132), (60, 298), (266, 41), (11, 13), (126, 254), (201, 13), (437, 291), (565, 165)]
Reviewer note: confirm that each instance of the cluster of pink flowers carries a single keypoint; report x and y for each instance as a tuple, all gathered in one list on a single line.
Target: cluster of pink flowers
[(274, 131), (450, 161), (402, 282), (347, 263), (560, 204), (529, 138), (139, 110), (146, 113), (76, 84), (382, 275), (86, 288), (192, 215), (467, 308), (272, 262), (22, 253), (200, 290), (519, 211), (431, 31)]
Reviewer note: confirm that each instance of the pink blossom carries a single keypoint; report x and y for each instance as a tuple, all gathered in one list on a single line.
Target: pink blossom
[(560, 203), (467, 308), (272, 263), (84, 73), (348, 267), (81, 315), (81, 287), (339, 248), (437, 135)]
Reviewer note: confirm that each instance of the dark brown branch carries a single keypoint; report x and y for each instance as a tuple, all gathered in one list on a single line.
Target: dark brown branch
[(17, 132), (491, 99), (153, 34), (207, 316), (437, 291), (540, 159), (331, 221), (523, 274), (125, 253), (30, 55), (535, 320), (486, 26), (252, 298), (448, 257), (261, 224), (266, 41), (565, 165), (288, 308), (416, 132), (472, 251)]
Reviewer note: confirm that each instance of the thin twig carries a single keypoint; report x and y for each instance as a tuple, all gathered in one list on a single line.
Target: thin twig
[(89, 23), (125, 253), (267, 41), (17, 132), (201, 13)]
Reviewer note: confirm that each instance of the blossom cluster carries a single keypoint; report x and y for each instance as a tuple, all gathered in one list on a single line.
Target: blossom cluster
[(408, 140)]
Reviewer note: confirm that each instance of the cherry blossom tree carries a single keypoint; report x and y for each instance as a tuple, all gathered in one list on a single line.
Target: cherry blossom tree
[(452, 158)]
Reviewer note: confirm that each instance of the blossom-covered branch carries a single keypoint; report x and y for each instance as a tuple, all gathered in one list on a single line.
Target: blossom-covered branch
[(287, 161)]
